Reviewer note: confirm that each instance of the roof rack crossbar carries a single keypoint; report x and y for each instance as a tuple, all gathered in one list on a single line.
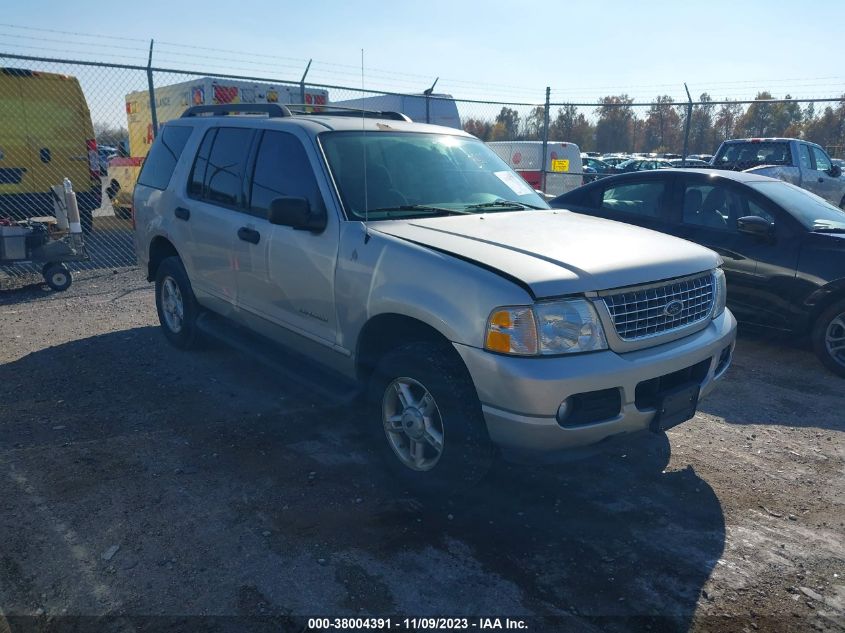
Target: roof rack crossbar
[(272, 110), (333, 110)]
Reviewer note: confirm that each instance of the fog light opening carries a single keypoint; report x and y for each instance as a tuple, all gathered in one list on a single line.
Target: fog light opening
[(564, 410), (724, 362)]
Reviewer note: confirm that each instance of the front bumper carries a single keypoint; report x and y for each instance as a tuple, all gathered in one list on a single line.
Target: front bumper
[(520, 396)]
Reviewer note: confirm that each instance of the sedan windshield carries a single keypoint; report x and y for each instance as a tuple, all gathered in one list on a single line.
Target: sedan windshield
[(418, 175), (815, 213)]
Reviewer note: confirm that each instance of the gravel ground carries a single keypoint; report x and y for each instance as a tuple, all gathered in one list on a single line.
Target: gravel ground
[(148, 486)]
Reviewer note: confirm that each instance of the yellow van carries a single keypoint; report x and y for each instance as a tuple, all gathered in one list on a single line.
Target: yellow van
[(46, 135)]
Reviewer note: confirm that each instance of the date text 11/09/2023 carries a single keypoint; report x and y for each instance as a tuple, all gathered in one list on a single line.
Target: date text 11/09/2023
[(417, 624)]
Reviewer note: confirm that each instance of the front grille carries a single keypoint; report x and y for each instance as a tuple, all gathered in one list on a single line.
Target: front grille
[(642, 312)]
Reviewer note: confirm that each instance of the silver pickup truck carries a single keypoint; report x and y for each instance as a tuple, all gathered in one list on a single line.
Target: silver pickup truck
[(801, 163), (411, 261)]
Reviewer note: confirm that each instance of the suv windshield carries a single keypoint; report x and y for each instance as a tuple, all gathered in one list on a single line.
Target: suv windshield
[(815, 213), (419, 174), (743, 155)]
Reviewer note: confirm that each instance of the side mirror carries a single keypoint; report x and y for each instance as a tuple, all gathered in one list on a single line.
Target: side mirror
[(835, 171), (296, 213), (755, 225)]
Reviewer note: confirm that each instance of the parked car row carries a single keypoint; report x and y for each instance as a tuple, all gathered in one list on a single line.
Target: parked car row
[(800, 162)]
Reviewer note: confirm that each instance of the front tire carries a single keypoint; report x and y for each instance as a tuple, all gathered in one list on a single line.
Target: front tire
[(829, 338), (176, 304), (427, 419)]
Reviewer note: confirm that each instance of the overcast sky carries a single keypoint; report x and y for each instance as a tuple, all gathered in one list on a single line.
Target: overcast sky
[(504, 50)]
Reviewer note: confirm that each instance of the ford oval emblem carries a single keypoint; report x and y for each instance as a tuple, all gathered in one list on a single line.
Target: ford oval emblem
[(673, 308)]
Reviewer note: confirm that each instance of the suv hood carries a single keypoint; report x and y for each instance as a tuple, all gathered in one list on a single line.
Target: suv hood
[(556, 252)]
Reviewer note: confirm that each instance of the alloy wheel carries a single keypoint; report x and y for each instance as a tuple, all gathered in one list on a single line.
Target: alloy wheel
[(172, 305), (413, 424)]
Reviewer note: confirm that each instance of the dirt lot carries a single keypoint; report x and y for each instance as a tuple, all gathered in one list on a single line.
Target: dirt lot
[(139, 481)]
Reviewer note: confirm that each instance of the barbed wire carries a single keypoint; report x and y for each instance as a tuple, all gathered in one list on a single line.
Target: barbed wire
[(353, 71), (324, 71), (41, 29)]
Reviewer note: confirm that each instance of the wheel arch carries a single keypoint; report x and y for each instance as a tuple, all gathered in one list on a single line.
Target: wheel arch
[(386, 331), (825, 297), (160, 248)]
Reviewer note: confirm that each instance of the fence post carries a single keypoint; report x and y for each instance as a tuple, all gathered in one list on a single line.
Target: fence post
[(687, 125), (427, 94), (302, 83), (151, 89), (545, 137)]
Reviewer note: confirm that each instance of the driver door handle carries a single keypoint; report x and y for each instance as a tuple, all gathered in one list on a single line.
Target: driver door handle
[(249, 235), (821, 179)]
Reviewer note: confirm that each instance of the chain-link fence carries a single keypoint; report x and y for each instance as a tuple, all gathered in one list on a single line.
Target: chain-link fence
[(93, 123)]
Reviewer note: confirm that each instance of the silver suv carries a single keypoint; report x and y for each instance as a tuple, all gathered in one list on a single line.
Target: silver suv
[(411, 261)]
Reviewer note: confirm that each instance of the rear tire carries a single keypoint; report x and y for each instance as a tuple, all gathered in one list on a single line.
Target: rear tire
[(427, 419), (176, 304), (829, 338)]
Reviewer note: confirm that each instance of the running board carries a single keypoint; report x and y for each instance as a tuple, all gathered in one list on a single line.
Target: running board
[(286, 364)]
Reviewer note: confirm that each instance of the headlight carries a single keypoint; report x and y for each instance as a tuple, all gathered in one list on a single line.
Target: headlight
[(720, 292), (556, 327), (569, 326)]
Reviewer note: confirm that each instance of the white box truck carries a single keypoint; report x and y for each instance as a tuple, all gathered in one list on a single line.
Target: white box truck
[(562, 164), (442, 109)]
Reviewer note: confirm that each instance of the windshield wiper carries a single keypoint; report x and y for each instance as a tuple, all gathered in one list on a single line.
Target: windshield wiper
[(828, 229), (419, 207), (502, 203)]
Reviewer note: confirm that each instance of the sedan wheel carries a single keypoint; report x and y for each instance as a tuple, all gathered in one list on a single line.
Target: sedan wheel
[(829, 337), (834, 339)]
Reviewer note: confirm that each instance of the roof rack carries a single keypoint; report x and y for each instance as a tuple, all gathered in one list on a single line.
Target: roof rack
[(272, 110), (333, 110)]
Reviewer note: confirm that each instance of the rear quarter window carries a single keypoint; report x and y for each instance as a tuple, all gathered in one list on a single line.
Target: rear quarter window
[(641, 198), (164, 154)]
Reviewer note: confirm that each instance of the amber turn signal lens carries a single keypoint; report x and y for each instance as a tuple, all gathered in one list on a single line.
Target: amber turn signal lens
[(502, 318), (511, 330), (498, 342)]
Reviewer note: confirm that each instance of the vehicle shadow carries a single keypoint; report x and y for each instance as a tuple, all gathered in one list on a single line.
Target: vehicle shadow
[(613, 540), (220, 482), (774, 380)]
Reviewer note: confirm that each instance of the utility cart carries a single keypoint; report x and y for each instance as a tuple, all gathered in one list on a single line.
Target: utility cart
[(38, 241)]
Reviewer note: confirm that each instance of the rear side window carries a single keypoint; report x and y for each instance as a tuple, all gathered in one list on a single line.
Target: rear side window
[(753, 153), (196, 182), (282, 169), (163, 156), (804, 156), (217, 175), (642, 198)]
